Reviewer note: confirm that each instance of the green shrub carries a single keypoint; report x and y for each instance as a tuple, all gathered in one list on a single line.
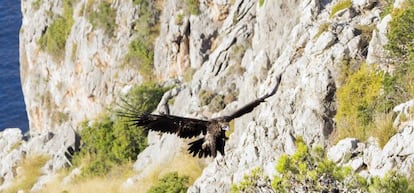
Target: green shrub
[(141, 50), (170, 183), (391, 182), (401, 49), (193, 6), (401, 34), (104, 18), (110, 140), (357, 100), (142, 54), (250, 183), (341, 5), (53, 41), (311, 171)]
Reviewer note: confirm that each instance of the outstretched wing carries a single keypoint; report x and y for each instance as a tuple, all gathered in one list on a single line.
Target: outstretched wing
[(182, 126), (250, 106)]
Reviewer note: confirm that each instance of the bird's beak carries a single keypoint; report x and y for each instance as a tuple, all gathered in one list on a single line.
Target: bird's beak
[(226, 128)]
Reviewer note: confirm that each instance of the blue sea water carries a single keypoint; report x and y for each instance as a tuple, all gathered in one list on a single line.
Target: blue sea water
[(12, 107)]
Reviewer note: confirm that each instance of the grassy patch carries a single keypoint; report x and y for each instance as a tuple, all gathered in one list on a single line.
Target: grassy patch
[(112, 182), (356, 103), (383, 127), (193, 6), (104, 17), (30, 168), (261, 2), (341, 5), (322, 28), (36, 4), (53, 41), (179, 19), (73, 52), (182, 163)]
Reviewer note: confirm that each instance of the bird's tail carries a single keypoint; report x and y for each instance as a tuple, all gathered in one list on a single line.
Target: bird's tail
[(196, 148), (200, 148)]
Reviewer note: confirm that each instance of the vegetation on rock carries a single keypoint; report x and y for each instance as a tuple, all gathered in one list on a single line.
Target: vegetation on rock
[(141, 50), (104, 17), (171, 183), (401, 49), (36, 4), (341, 5), (30, 169), (367, 98), (110, 140), (261, 2), (357, 103), (193, 7), (53, 41), (311, 171), (252, 182)]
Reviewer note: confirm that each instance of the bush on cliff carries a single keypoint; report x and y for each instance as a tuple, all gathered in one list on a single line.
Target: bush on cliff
[(141, 50), (357, 103), (110, 140), (401, 49), (171, 183), (367, 98), (104, 17), (53, 41), (311, 171)]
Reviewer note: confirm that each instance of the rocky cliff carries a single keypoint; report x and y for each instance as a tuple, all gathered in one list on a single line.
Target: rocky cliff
[(234, 49)]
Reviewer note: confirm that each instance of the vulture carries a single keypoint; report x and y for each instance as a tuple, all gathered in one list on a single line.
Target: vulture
[(212, 130)]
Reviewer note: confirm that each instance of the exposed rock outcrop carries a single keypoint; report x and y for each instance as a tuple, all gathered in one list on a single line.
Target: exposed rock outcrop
[(233, 48), (371, 160), (88, 77), (57, 146)]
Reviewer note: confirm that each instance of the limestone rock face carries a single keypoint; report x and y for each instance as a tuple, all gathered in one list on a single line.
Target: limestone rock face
[(10, 156), (14, 148), (86, 79), (234, 49), (370, 160), (244, 51)]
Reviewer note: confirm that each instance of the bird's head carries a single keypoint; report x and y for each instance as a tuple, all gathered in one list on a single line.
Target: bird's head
[(224, 126)]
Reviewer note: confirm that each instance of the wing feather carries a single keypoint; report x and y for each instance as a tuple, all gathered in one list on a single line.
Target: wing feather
[(182, 126), (250, 106)]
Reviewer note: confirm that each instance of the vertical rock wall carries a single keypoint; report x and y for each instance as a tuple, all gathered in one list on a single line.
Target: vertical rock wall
[(86, 80), (234, 49)]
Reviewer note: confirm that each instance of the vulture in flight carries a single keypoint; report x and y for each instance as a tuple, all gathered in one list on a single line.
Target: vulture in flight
[(213, 130)]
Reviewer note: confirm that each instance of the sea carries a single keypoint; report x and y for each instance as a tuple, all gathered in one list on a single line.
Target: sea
[(12, 107)]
